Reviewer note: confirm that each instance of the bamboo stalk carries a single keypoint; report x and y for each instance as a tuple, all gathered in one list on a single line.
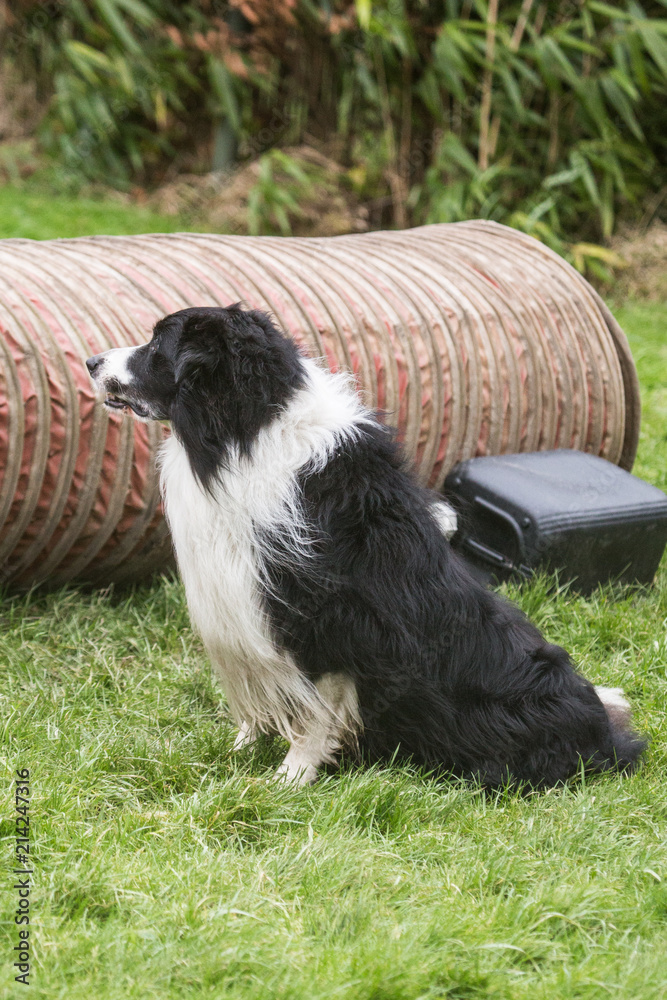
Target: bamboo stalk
[(456, 108), (554, 113), (520, 26), (515, 42), (485, 108), (393, 174), (406, 127), (539, 18)]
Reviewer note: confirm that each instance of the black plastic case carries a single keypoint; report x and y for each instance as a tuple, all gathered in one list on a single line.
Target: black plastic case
[(563, 510)]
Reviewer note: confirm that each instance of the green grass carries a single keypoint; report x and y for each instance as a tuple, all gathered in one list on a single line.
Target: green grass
[(168, 867), (33, 212)]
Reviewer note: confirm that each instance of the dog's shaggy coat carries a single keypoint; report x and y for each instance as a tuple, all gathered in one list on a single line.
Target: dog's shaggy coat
[(317, 572)]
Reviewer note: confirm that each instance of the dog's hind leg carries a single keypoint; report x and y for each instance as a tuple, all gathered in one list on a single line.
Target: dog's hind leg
[(324, 736)]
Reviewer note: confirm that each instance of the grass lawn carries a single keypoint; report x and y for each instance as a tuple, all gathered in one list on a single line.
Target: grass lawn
[(32, 212), (166, 867)]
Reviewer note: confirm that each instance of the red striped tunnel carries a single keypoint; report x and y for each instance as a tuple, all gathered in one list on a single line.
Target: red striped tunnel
[(472, 337)]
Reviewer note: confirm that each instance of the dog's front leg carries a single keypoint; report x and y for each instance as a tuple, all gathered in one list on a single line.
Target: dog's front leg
[(246, 735), (324, 737), (303, 759)]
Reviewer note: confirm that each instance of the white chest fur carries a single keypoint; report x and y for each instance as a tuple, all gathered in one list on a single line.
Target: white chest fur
[(217, 538)]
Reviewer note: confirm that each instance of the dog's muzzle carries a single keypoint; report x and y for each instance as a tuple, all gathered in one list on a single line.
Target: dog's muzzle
[(112, 400)]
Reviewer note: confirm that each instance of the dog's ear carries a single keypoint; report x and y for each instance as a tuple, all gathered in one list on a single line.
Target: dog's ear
[(191, 359), (230, 339), (201, 349)]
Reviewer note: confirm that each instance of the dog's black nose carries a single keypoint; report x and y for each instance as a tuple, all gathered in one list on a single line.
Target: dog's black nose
[(92, 364)]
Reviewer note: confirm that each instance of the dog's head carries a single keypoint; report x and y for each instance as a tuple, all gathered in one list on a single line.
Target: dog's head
[(219, 375)]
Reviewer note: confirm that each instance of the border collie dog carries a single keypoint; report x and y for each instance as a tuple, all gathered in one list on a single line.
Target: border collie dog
[(320, 578)]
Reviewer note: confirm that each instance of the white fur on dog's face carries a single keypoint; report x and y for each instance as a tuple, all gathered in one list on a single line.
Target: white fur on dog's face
[(113, 379), (116, 364), (127, 378)]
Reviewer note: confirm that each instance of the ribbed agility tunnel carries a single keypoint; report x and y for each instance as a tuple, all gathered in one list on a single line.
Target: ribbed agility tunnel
[(473, 338)]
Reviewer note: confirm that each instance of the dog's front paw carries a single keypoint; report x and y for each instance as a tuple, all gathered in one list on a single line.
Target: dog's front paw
[(245, 737), (296, 772)]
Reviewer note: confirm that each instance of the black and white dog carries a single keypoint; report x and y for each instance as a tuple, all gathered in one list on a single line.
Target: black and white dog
[(318, 574)]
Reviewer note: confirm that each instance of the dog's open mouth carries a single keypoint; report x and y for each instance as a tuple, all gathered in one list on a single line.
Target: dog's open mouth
[(117, 403)]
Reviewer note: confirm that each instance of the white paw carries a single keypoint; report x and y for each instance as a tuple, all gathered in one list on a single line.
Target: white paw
[(245, 737), (297, 772)]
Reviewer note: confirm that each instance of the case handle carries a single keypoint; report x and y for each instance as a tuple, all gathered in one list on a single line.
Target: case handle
[(490, 555)]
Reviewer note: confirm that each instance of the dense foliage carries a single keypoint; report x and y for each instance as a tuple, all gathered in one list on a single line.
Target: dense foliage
[(549, 116)]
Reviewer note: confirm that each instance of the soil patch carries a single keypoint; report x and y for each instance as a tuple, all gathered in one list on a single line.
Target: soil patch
[(299, 191), (645, 253)]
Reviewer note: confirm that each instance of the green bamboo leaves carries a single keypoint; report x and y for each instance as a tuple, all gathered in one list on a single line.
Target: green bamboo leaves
[(549, 116)]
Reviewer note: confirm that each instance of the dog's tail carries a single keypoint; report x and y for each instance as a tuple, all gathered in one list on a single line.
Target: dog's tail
[(628, 746)]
